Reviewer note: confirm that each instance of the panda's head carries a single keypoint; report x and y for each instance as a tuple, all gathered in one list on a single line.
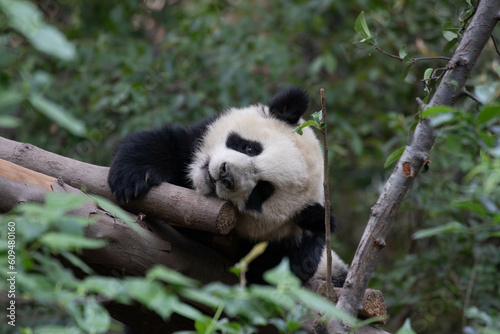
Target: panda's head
[(253, 158)]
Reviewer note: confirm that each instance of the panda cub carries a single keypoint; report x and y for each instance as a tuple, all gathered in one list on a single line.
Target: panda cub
[(252, 158)]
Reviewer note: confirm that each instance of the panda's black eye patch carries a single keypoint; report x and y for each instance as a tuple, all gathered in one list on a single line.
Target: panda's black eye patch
[(248, 147)]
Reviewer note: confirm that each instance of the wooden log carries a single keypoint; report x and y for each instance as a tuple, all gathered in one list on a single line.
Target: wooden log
[(175, 205), (126, 252), (195, 260), (373, 303)]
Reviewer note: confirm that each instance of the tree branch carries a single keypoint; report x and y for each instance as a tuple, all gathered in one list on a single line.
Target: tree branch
[(413, 60), (413, 158), (176, 205), (328, 233)]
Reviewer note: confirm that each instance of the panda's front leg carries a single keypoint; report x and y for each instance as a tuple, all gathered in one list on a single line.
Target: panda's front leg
[(146, 159), (308, 260)]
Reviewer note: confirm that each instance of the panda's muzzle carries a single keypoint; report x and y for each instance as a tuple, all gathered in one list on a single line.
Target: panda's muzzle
[(226, 176)]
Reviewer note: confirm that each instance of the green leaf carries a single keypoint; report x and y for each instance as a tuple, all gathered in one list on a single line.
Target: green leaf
[(27, 19), (109, 287), (90, 316), (321, 304), (202, 297), (112, 208), (437, 110), (282, 276), (57, 114), (488, 113), (450, 31), (189, 311), (317, 117), (362, 28), (427, 73), (170, 276), (402, 52), (256, 251), (406, 329), (329, 62), (471, 205), (54, 329), (69, 241), (394, 156), (77, 262), (153, 295), (303, 125), (9, 122), (64, 202), (10, 97), (119, 213), (447, 228), (405, 71), (51, 41), (449, 35)]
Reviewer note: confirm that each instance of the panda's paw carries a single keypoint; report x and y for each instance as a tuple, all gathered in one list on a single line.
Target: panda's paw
[(129, 184)]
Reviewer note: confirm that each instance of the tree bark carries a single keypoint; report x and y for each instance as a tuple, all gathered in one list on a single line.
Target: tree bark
[(414, 157), (190, 258), (176, 205)]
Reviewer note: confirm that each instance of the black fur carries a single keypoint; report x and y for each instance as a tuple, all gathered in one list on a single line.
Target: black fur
[(304, 258), (248, 147), (312, 218), (289, 105), (148, 158), (262, 191)]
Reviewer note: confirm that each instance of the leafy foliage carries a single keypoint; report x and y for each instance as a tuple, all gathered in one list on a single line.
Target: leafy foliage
[(42, 280)]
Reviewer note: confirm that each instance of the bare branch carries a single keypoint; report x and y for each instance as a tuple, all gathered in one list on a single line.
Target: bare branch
[(414, 157), (495, 44), (328, 233), (421, 103), (465, 92), (413, 60)]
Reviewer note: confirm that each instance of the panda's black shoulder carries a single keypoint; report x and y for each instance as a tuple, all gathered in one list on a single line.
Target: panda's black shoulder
[(312, 218), (197, 131)]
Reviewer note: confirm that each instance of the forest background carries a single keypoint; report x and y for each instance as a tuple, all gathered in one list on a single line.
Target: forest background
[(116, 67)]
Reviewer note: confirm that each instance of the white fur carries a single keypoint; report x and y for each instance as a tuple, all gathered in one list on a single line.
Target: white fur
[(338, 266), (292, 163)]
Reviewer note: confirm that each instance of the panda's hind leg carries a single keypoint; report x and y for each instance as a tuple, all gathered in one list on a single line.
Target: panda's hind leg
[(308, 260)]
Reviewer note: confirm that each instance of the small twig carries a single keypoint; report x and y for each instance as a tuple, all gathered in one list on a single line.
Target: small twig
[(421, 103), (470, 287), (413, 60), (465, 92), (495, 44), (328, 241), (387, 53)]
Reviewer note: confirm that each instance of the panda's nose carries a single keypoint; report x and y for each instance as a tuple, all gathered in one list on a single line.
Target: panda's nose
[(225, 176)]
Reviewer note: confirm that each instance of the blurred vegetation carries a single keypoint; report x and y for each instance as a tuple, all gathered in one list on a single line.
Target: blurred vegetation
[(77, 76)]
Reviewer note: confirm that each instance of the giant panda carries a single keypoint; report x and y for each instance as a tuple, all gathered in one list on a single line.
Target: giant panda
[(253, 158)]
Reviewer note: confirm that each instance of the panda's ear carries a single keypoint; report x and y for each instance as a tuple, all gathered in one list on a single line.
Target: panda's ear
[(289, 105)]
